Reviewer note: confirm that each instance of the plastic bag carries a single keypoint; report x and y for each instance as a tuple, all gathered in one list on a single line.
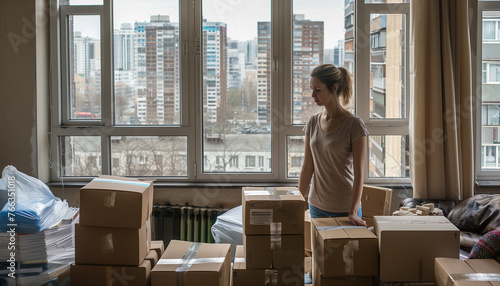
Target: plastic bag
[(228, 228), (32, 207)]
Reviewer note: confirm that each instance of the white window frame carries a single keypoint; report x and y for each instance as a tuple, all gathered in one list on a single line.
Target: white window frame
[(191, 90), (377, 126), (486, 176)]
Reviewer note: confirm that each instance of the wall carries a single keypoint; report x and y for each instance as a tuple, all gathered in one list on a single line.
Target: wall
[(23, 57)]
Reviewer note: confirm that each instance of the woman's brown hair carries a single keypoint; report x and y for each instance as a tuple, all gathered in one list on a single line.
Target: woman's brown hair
[(330, 75)]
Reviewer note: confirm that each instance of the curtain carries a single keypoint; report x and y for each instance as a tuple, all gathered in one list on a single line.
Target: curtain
[(441, 121)]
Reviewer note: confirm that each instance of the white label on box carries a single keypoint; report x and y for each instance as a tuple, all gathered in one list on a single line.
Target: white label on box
[(257, 193), (261, 216)]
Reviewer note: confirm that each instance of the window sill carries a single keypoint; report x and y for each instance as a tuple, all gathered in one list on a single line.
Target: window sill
[(80, 184)]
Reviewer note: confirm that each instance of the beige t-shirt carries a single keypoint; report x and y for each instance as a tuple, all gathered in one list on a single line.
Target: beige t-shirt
[(332, 181)]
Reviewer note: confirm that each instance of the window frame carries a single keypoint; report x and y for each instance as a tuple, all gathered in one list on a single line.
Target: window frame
[(486, 176), (191, 54), (377, 126)]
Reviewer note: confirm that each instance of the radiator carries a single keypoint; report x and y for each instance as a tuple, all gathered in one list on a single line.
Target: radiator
[(188, 223)]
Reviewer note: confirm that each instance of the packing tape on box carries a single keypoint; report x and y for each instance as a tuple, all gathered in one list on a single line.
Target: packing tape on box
[(348, 255), (239, 259), (188, 260), (109, 200), (271, 277), (487, 277), (272, 192), (107, 246), (339, 227), (121, 182), (275, 233)]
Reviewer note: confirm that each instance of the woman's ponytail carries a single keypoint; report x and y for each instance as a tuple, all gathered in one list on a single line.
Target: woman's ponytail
[(345, 86)]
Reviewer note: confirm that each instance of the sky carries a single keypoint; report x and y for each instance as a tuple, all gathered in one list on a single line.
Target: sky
[(241, 16)]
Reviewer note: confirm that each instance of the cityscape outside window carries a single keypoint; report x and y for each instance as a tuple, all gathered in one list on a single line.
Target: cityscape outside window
[(237, 86)]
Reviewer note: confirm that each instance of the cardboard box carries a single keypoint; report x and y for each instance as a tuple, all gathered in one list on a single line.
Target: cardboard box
[(251, 277), (376, 201), (273, 211), (193, 263), (307, 233), (320, 280), (158, 246), (85, 275), (111, 246), (449, 272), (265, 251), (111, 201), (342, 249), (152, 257), (409, 245)]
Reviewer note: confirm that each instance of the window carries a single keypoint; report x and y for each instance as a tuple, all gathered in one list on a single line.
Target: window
[(249, 161), (180, 90), (488, 82)]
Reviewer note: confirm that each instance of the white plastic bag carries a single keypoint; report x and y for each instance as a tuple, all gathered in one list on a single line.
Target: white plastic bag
[(228, 228), (31, 206)]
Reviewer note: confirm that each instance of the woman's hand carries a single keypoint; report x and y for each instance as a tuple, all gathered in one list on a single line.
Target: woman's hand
[(356, 220)]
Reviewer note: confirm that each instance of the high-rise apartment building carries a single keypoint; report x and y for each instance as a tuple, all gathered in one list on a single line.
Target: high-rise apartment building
[(263, 72), (308, 52), (214, 71), (157, 71)]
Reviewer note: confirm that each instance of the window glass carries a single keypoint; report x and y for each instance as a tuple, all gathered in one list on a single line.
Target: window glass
[(149, 156), (387, 66), (81, 2), (80, 155), (236, 85), (84, 67), (388, 156), (295, 155), (146, 62), (488, 30), (490, 110), (319, 36)]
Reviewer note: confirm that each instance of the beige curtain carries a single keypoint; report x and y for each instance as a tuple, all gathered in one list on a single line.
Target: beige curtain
[(441, 134)]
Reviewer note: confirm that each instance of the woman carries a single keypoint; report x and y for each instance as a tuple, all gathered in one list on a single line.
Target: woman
[(335, 149)]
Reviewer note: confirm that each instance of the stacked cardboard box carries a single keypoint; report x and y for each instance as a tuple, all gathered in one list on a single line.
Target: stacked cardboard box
[(273, 233), (193, 263), (375, 201), (456, 272), (113, 237), (408, 247), (242, 276), (343, 254)]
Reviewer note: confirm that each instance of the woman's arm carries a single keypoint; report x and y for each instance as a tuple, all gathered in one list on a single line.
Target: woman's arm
[(307, 169), (359, 159)]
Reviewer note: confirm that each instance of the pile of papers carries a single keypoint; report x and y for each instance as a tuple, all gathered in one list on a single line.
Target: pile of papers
[(40, 256)]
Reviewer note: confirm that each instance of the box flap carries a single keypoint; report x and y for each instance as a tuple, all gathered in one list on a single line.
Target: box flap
[(278, 193), (354, 231), (174, 255), (115, 183), (328, 228), (341, 227), (413, 223)]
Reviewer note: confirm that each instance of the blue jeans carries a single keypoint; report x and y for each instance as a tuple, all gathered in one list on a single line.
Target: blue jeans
[(315, 212)]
